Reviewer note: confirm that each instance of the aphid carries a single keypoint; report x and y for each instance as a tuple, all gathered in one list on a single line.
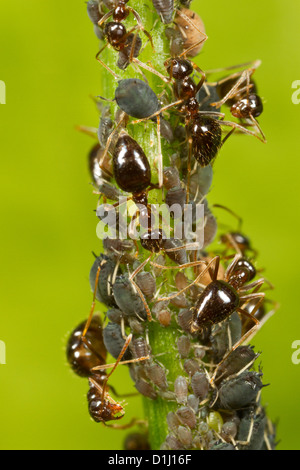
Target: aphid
[(105, 126), (164, 317), (185, 436), (243, 356), (184, 346), (137, 441), (99, 175), (117, 246), (127, 299), (181, 390), (207, 96), (171, 178), (115, 315), (165, 9), (191, 367), (157, 375), (107, 274), (114, 341), (176, 196), (240, 391), (131, 49), (229, 431), (147, 284), (187, 417), (85, 354), (117, 34), (192, 30), (95, 15), (173, 421), (251, 431), (200, 385), (184, 319), (224, 335), (172, 443), (193, 402), (146, 389), (219, 445), (246, 105)]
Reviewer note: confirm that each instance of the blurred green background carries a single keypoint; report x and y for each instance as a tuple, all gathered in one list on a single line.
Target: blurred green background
[(48, 223)]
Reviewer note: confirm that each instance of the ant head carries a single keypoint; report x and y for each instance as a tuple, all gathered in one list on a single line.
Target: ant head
[(243, 272), (179, 68), (248, 106), (152, 240)]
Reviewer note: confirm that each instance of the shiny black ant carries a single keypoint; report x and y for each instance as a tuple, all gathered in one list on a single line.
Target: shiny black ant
[(117, 35)]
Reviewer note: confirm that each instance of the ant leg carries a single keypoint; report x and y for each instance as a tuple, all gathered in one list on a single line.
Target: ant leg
[(104, 65), (90, 131), (213, 276), (193, 25), (254, 64), (133, 422), (242, 129), (234, 90), (231, 267), (106, 17), (255, 122), (150, 69), (261, 298), (160, 156), (176, 103), (139, 21), (227, 137), (255, 285), (240, 220), (189, 168)]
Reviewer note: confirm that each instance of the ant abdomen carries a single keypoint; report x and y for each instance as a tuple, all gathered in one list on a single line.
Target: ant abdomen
[(206, 135), (131, 166)]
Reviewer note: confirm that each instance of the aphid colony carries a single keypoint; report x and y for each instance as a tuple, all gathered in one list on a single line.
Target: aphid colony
[(212, 300)]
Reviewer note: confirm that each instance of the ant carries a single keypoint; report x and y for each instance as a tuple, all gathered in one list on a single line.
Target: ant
[(86, 353), (239, 91), (221, 298), (116, 33), (204, 131)]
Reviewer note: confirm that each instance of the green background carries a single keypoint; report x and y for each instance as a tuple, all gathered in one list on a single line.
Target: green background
[(48, 223)]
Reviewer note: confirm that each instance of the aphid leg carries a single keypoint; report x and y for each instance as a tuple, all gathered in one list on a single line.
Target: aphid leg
[(104, 65), (89, 321), (110, 138), (131, 278)]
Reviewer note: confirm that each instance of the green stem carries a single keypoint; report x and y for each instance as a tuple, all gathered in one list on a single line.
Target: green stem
[(162, 340)]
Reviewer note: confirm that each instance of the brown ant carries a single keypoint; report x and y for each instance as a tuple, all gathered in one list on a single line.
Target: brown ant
[(85, 349), (117, 35), (221, 298), (203, 128), (239, 91)]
